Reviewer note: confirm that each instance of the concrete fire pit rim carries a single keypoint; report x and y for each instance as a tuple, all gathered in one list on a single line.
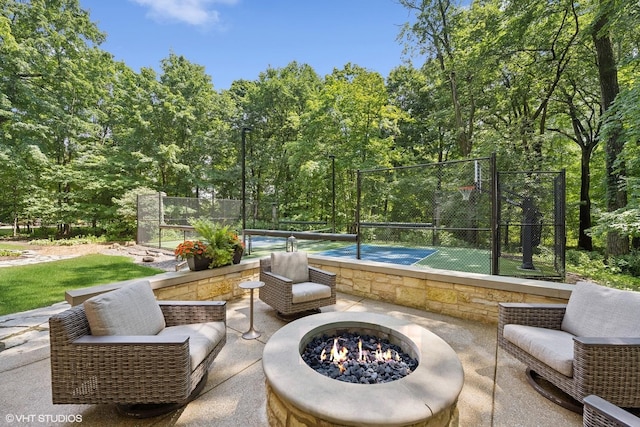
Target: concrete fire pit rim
[(433, 387)]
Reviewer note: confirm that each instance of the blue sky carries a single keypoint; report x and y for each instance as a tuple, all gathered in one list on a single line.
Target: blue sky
[(238, 39)]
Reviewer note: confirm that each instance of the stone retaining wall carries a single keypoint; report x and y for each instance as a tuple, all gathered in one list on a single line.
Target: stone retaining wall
[(463, 295), (219, 284)]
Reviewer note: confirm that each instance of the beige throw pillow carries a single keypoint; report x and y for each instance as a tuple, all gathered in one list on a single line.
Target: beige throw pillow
[(292, 265), (130, 310), (599, 311)]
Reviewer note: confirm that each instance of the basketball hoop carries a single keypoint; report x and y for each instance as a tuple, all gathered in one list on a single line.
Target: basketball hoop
[(466, 191)]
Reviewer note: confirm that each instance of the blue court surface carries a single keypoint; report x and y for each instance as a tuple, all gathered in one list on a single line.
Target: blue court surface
[(390, 254), (265, 242)]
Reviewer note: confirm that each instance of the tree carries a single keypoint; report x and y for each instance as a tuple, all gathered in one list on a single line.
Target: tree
[(352, 119), (196, 120), (618, 22), (424, 134), (273, 107), (433, 33), (616, 196), (53, 77)]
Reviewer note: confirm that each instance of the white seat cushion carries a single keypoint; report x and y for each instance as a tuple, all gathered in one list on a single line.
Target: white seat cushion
[(552, 347), (309, 291), (598, 311), (203, 337), (292, 265), (130, 310)]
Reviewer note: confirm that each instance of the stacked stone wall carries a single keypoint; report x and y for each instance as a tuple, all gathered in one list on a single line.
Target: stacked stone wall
[(463, 295)]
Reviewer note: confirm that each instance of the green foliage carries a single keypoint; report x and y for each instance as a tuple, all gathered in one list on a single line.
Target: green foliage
[(621, 272), (124, 223), (628, 264), (9, 253), (220, 246), (81, 134), (625, 221), (76, 240)]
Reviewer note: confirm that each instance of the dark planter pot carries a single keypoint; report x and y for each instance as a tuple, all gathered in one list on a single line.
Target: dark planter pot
[(237, 255), (198, 263)]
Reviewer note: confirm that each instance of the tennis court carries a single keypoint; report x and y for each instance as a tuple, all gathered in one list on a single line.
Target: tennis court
[(391, 254), (446, 258)]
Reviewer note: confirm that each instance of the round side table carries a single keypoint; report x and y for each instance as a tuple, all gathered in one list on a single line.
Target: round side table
[(251, 334)]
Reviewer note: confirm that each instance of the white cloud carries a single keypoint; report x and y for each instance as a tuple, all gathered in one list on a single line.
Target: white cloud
[(192, 12)]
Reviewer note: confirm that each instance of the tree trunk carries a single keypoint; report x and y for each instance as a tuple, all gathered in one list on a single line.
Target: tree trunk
[(461, 133), (616, 197), (584, 241)]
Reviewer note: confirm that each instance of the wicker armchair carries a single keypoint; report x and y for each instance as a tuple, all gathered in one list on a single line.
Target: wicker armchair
[(589, 346), (135, 369), (291, 286), (600, 413)]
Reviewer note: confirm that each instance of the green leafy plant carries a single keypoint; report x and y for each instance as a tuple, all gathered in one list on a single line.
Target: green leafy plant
[(219, 240), (9, 253)]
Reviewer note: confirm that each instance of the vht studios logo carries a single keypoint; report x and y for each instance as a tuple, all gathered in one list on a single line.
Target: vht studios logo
[(43, 418)]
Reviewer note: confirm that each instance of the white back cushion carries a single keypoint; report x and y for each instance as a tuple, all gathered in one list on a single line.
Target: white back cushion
[(130, 310), (292, 265), (598, 311)]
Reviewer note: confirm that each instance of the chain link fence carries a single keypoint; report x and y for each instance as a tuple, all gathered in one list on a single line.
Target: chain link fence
[(465, 216), (531, 224), (443, 208), (459, 215), (164, 221)]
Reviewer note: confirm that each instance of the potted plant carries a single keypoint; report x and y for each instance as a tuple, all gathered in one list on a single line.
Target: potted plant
[(195, 252), (220, 247), (238, 246)]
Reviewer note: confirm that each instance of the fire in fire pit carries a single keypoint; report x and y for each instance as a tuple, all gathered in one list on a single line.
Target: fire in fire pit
[(356, 358)]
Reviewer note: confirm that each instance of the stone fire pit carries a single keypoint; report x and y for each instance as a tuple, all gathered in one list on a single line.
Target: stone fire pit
[(296, 394)]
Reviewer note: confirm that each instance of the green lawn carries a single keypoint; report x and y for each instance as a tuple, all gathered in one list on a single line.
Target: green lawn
[(13, 246), (39, 285)]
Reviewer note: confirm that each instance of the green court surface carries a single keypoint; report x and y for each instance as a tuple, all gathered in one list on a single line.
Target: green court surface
[(469, 260)]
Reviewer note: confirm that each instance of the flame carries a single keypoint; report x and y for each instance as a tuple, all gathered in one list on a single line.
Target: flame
[(338, 356), (381, 356)]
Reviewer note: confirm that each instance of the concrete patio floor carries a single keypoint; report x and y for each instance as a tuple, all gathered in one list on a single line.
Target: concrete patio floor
[(495, 391)]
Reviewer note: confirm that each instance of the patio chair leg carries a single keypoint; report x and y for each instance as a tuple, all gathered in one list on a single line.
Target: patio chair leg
[(553, 393), (298, 315), (150, 410)]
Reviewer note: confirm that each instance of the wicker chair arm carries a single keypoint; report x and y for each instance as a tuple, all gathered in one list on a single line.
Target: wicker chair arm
[(317, 275), (68, 326), (618, 356), (608, 367), (601, 413), (128, 369), (186, 312), (139, 340), (632, 342), (137, 355), (538, 315), (277, 277)]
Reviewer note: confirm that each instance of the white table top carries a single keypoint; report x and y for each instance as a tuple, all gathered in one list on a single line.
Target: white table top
[(251, 285)]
